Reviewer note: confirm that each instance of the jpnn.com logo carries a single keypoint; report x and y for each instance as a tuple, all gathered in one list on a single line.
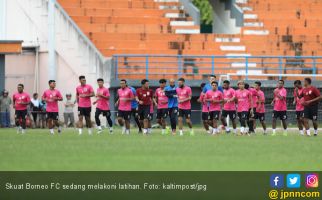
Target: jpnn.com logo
[(293, 181)]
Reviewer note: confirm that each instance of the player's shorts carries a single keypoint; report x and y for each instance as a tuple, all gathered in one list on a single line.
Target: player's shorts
[(279, 114), (84, 111), (214, 115), (299, 114), (106, 113), (150, 118), (173, 112), (231, 113), (162, 113), (52, 115), (250, 115), (124, 114), (243, 115), (21, 114), (205, 116), (311, 112), (134, 112), (260, 116), (184, 113), (144, 112)]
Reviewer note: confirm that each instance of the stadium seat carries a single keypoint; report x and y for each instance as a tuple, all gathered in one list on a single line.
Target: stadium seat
[(142, 27)]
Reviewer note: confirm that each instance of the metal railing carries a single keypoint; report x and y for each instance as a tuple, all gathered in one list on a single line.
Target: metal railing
[(194, 66)]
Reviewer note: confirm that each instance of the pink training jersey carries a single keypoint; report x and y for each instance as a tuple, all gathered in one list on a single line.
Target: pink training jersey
[(280, 104), (184, 93), (21, 98), (162, 98), (102, 103), (214, 95), (299, 101), (84, 102), (124, 95), (260, 108), (203, 103), (254, 95), (50, 97), (243, 98), (229, 94)]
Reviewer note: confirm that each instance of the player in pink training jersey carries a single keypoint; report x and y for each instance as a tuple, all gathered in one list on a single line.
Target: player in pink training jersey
[(244, 103), (251, 116), (21, 100), (260, 107), (102, 106), (84, 92), (215, 98), (161, 101), (299, 108), (311, 98), (204, 110), (125, 96), (51, 96), (229, 107), (184, 94), (280, 108)]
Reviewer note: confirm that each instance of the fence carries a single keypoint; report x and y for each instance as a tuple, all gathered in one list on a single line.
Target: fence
[(196, 67)]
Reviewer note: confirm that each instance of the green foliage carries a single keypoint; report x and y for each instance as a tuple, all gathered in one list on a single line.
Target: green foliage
[(205, 11)]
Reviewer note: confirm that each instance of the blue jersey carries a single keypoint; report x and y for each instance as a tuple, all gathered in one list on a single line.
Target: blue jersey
[(209, 87), (134, 103), (171, 92)]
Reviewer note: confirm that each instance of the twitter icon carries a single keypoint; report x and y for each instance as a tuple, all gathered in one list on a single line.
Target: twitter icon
[(293, 180)]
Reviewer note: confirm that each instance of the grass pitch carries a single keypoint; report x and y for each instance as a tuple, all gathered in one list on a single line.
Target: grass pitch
[(38, 150)]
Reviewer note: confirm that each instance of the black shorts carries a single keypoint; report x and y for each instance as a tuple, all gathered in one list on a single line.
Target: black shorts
[(184, 113), (21, 114), (124, 114), (134, 112), (299, 114), (231, 113), (205, 116), (279, 114), (260, 116), (214, 115), (173, 112), (106, 113), (243, 115), (52, 115), (144, 111), (150, 118), (311, 112), (84, 111), (162, 113), (250, 115)]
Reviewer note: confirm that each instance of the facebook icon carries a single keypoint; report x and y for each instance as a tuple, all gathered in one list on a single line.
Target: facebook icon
[(277, 180)]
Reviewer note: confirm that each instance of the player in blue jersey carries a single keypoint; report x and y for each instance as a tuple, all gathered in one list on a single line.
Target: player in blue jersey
[(208, 86), (171, 93)]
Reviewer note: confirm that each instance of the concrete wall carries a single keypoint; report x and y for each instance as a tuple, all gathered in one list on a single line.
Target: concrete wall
[(28, 21), (21, 69), (2, 72), (223, 23)]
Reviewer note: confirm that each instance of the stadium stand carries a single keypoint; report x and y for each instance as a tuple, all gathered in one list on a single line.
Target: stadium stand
[(163, 27)]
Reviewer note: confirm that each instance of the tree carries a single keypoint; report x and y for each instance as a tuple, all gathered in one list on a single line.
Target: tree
[(206, 11)]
